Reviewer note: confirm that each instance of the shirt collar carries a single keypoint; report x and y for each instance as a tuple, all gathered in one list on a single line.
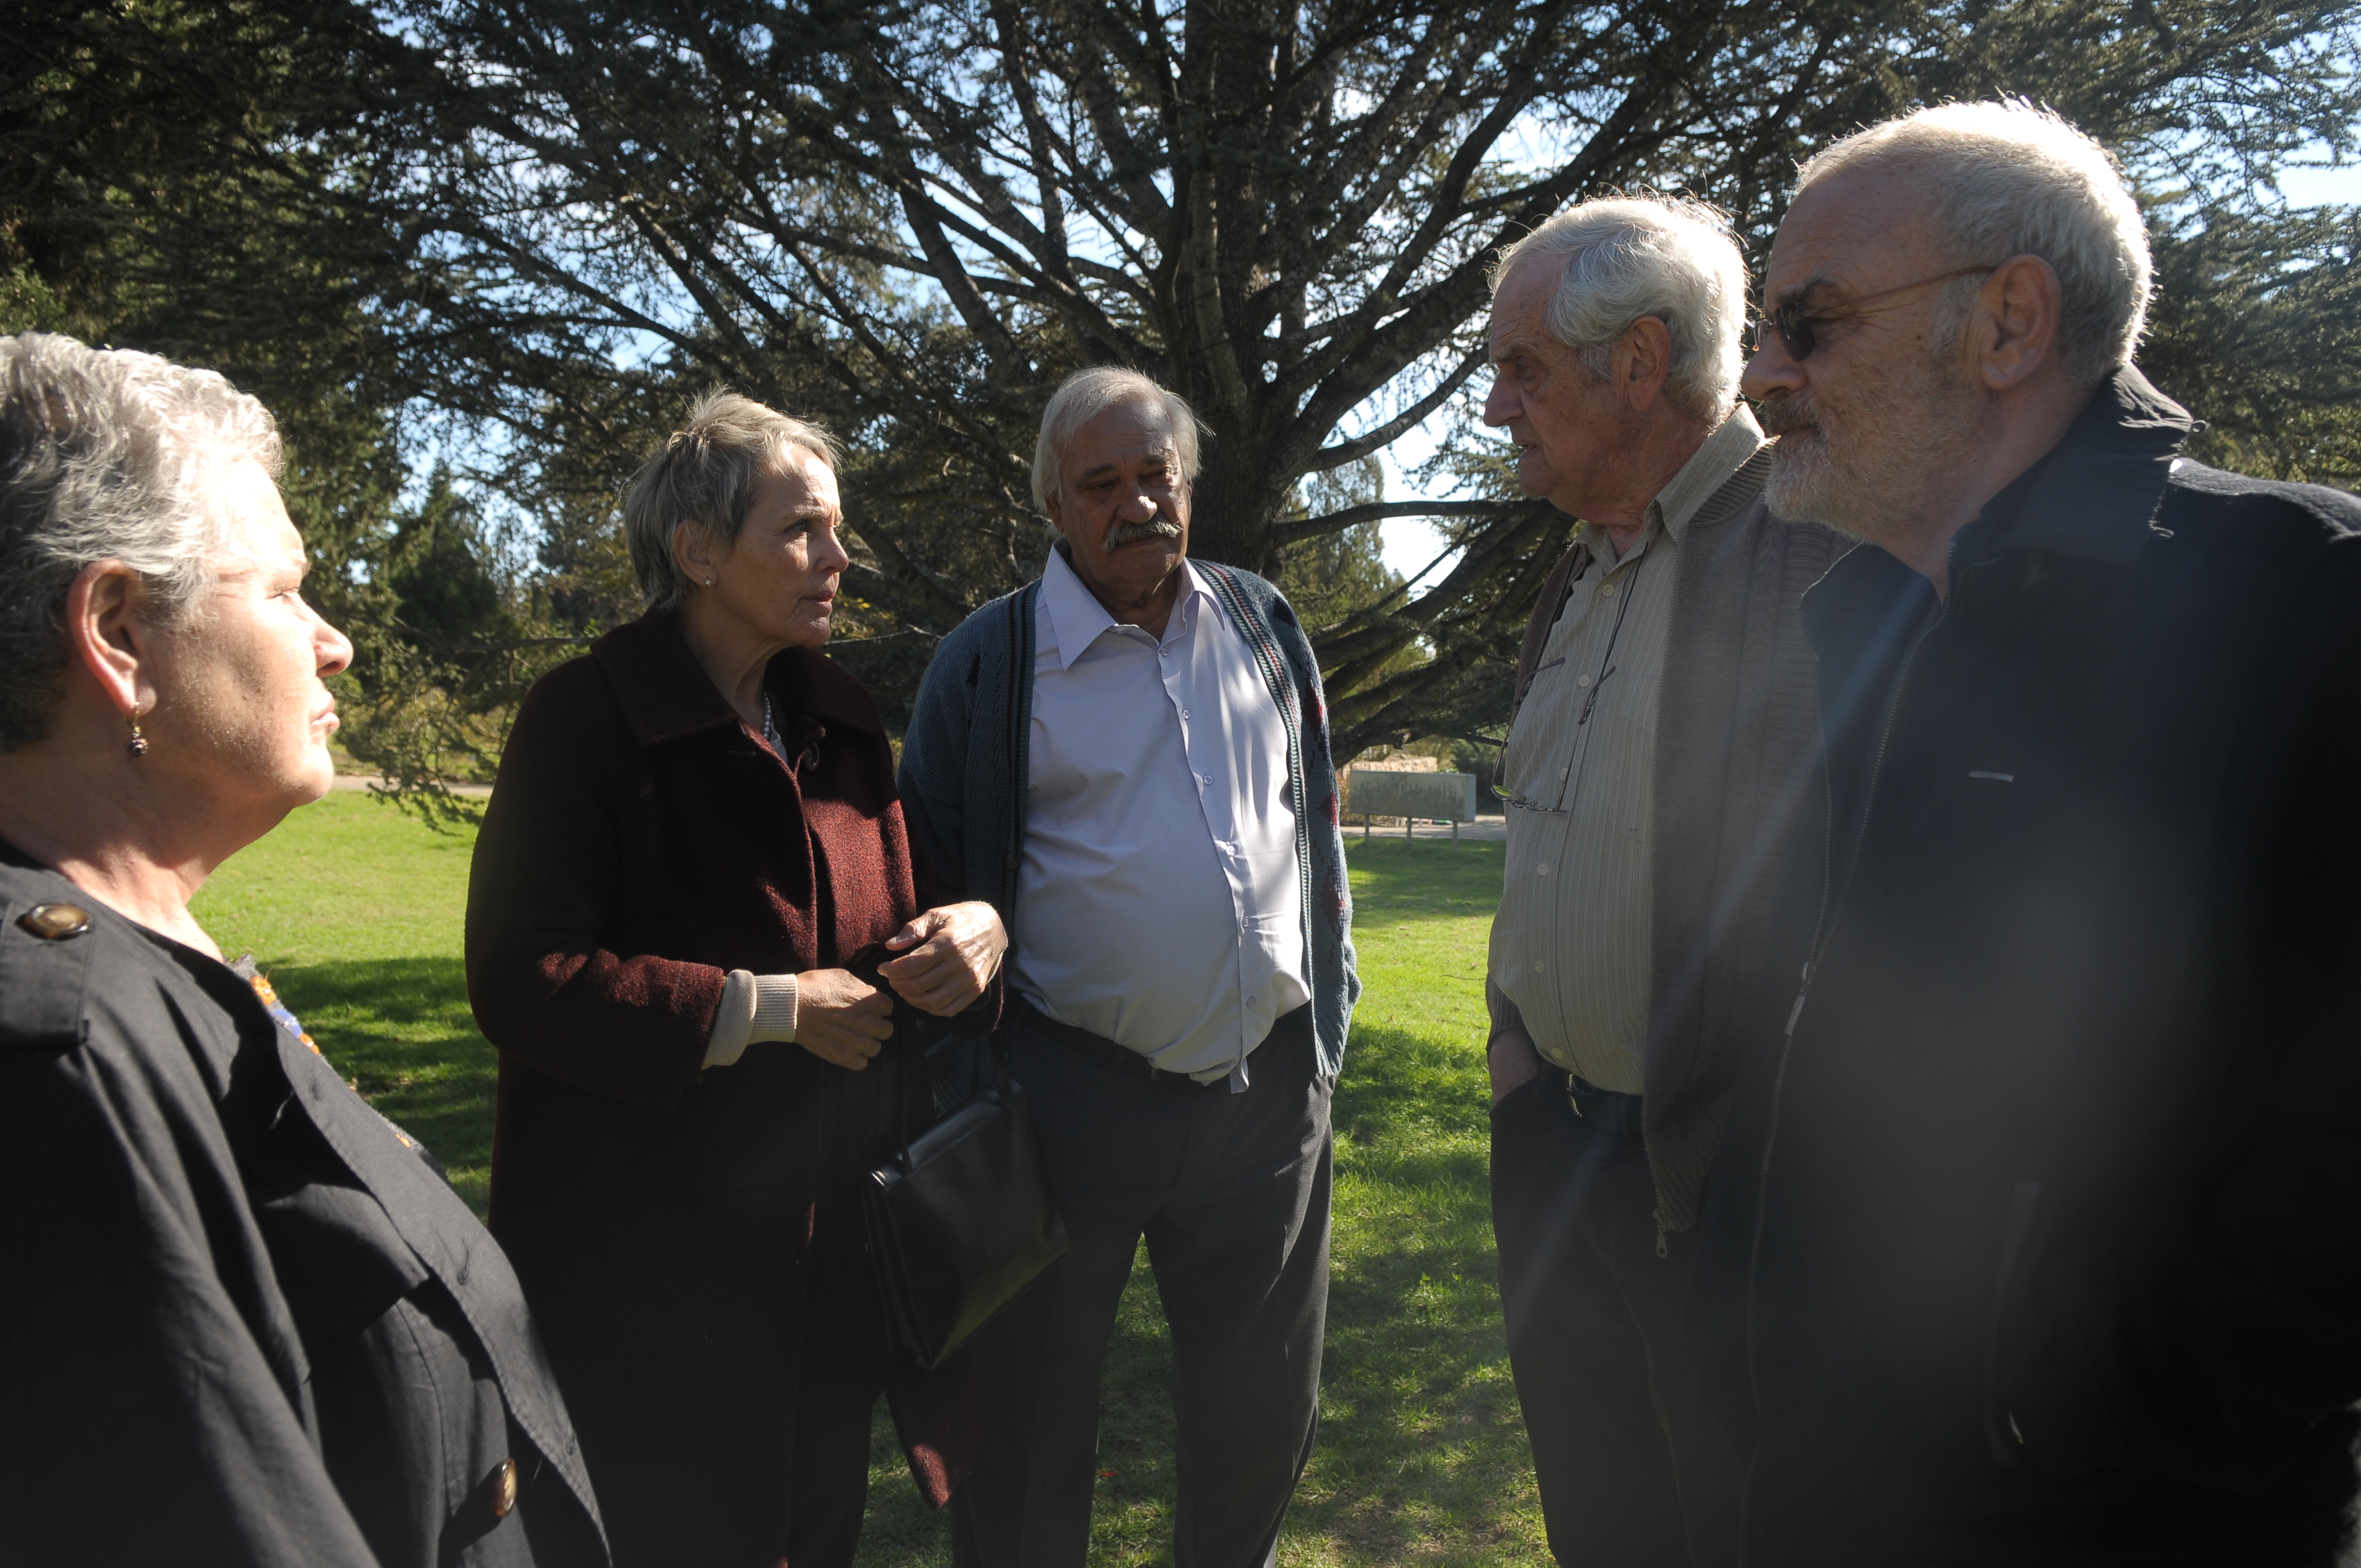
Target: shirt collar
[(1732, 445), (1077, 619)]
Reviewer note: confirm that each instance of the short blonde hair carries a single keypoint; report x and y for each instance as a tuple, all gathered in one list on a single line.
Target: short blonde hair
[(1086, 395), (2008, 178), (1622, 258), (704, 477)]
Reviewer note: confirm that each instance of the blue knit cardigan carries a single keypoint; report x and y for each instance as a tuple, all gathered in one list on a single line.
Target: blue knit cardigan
[(965, 772)]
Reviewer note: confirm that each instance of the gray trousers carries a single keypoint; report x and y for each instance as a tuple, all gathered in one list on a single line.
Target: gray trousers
[(1232, 1192)]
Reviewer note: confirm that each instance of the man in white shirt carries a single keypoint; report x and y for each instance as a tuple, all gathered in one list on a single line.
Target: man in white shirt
[(1128, 758)]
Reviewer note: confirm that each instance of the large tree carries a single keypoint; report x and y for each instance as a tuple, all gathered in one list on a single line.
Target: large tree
[(916, 218), (174, 177), (2257, 325), (543, 227)]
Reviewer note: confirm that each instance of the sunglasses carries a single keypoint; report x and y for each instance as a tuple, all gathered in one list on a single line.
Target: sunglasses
[(1798, 328)]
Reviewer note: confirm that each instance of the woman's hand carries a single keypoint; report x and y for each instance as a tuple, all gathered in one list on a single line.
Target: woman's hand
[(840, 1018), (953, 953)]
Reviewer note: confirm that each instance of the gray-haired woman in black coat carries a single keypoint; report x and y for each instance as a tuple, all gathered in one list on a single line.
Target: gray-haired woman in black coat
[(244, 1320)]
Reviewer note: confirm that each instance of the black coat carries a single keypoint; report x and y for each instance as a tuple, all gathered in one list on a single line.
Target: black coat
[(243, 1321), (2039, 1238)]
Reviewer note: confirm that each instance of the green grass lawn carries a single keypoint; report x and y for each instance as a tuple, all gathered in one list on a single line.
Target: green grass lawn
[(356, 913)]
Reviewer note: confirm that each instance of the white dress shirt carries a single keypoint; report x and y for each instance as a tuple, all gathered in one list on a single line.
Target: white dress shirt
[(1159, 903)]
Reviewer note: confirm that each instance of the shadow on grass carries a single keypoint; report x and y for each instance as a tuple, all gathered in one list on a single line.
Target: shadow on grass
[(1422, 1452), (400, 1030), (1421, 1448), (1397, 884)]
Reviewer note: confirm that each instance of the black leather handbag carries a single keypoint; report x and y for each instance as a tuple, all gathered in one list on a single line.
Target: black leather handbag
[(960, 1221)]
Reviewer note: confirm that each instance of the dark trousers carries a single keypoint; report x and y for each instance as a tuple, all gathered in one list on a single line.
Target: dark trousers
[(843, 1372), (1232, 1192), (1633, 1470)]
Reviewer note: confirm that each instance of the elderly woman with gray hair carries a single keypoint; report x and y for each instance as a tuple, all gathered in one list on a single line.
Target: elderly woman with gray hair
[(695, 904), (247, 1321)]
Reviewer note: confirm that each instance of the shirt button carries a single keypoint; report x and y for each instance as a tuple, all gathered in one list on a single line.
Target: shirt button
[(1538, 966), (1582, 680), (1607, 592), (55, 922), (503, 1486), (1544, 868)]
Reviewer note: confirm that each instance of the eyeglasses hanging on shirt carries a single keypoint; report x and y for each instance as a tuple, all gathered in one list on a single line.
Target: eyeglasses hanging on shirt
[(1570, 777)]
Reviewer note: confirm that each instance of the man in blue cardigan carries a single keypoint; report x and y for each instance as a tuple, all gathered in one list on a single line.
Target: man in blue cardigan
[(1128, 757)]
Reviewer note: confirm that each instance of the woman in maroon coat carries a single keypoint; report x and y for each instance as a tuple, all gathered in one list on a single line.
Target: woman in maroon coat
[(692, 902)]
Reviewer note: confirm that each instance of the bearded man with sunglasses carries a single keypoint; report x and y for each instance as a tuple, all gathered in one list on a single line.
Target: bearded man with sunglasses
[(2038, 1240), (1658, 760)]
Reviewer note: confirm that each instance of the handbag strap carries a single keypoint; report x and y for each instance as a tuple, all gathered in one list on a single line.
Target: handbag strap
[(995, 1042)]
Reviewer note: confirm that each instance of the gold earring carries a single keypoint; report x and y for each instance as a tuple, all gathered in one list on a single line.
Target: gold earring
[(139, 747)]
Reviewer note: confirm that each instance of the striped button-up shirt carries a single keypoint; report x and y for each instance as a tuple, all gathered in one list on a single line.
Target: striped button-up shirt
[(1571, 943)]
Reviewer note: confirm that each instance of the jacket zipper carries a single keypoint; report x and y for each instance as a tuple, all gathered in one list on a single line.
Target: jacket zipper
[(1822, 924)]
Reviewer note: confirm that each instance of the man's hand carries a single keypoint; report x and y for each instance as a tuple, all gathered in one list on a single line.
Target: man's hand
[(953, 953), (1513, 1061), (841, 1019)]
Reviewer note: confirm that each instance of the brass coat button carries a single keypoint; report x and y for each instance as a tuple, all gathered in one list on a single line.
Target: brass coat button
[(503, 1483), (55, 922)]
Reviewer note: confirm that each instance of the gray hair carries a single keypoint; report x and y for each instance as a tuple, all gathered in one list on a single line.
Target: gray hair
[(705, 477), (2003, 180), (1086, 395), (1628, 257), (105, 454)]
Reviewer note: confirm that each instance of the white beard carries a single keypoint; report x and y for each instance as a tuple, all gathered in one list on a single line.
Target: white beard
[(1893, 454)]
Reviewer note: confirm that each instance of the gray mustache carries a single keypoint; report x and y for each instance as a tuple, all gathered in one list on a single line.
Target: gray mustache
[(1780, 413), (1123, 533)]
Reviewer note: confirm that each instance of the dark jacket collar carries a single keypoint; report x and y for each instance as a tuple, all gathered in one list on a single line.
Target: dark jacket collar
[(665, 694), (2094, 493)]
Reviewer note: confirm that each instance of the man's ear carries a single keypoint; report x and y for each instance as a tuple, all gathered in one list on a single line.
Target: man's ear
[(109, 636), (2019, 310), (1054, 504), (1642, 359)]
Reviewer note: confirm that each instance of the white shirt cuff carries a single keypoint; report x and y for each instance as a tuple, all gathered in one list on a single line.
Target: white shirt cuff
[(733, 1021)]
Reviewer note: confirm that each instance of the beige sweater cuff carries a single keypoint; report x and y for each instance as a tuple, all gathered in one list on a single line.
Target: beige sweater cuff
[(753, 1008), (775, 1008)]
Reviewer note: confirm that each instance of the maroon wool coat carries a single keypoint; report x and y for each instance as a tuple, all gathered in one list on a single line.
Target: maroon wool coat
[(641, 842)]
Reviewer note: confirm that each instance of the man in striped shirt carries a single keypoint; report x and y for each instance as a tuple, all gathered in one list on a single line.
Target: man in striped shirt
[(1663, 739)]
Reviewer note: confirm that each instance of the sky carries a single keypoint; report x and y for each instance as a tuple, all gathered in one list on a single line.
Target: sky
[(1411, 543)]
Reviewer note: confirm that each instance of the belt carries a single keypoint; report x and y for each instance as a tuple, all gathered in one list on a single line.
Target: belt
[(1612, 1112), (1100, 1052)]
